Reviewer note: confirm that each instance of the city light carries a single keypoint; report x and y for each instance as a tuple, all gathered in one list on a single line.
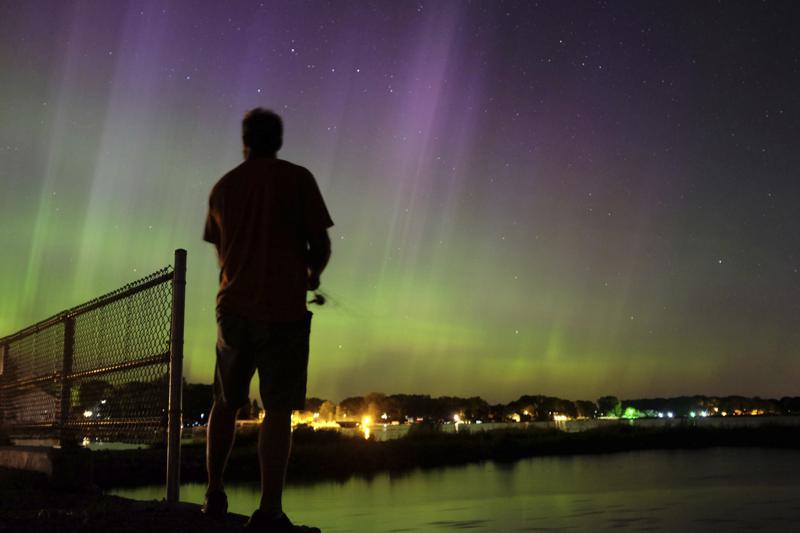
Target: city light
[(631, 413), (366, 421)]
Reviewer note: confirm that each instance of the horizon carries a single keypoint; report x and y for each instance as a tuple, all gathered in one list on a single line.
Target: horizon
[(611, 207)]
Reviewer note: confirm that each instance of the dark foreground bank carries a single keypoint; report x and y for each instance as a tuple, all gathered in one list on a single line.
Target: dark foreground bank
[(326, 455), (29, 503)]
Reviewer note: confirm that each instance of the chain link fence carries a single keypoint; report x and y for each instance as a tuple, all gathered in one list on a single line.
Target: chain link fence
[(97, 372)]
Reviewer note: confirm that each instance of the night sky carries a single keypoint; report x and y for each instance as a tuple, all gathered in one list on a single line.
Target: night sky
[(567, 198)]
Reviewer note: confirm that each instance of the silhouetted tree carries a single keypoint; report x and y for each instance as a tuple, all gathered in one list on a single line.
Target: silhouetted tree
[(197, 400), (586, 408), (313, 404), (353, 406), (790, 406), (327, 411), (609, 406)]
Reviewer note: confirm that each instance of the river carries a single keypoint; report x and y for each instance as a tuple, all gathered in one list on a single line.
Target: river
[(718, 489)]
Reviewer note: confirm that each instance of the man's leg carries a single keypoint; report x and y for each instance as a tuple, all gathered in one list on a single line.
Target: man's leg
[(274, 445), (219, 441)]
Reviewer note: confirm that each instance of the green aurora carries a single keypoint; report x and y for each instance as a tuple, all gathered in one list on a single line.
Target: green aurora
[(503, 226)]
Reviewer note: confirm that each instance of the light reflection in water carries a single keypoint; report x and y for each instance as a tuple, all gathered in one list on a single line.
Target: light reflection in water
[(366, 422)]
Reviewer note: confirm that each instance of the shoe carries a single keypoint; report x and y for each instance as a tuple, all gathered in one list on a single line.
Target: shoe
[(260, 522), (215, 504)]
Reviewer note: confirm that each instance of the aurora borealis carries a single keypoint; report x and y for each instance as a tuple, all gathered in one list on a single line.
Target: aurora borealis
[(567, 198)]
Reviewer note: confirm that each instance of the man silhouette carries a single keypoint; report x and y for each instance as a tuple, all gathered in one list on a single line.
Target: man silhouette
[(268, 223)]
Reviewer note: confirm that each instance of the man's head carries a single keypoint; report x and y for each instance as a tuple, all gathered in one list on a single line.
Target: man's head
[(262, 132)]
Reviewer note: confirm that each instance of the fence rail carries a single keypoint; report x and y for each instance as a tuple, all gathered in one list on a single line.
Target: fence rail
[(106, 370)]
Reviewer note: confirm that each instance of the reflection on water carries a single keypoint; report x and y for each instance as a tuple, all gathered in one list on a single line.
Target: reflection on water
[(702, 490)]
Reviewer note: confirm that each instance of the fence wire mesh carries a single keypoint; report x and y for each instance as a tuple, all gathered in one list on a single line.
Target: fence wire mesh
[(99, 371)]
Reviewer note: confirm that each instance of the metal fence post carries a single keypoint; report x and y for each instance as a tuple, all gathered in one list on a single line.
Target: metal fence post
[(174, 422), (64, 436)]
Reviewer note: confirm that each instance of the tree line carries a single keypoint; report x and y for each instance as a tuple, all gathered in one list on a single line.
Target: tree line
[(197, 400)]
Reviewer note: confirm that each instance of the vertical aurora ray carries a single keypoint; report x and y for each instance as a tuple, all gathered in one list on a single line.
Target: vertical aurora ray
[(528, 198)]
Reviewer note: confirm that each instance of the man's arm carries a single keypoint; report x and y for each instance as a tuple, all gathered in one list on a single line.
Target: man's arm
[(319, 252)]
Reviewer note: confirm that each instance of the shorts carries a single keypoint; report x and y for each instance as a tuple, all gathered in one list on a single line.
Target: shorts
[(279, 351)]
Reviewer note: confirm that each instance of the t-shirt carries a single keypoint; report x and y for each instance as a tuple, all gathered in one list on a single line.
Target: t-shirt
[(260, 216)]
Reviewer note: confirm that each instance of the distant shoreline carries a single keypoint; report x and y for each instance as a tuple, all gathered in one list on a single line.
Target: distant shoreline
[(328, 455)]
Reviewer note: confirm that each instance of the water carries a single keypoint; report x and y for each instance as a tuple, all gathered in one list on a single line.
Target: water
[(718, 489)]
